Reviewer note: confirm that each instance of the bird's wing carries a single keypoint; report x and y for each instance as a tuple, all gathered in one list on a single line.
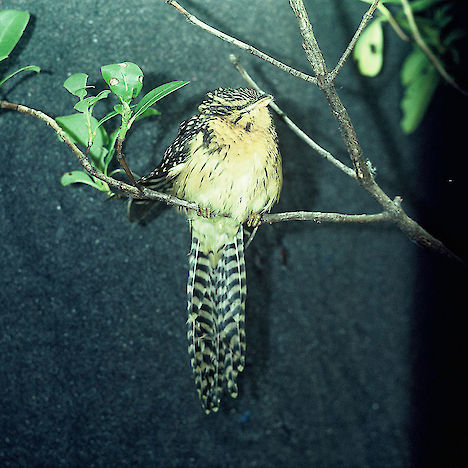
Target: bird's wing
[(159, 179)]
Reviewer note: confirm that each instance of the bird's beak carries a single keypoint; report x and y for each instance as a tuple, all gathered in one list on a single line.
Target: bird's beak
[(262, 102)]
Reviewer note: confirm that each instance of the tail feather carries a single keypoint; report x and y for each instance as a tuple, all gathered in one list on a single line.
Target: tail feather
[(233, 306), (202, 333), (216, 317)]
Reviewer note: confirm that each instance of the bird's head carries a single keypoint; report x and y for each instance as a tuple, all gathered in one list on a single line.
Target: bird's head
[(241, 107)]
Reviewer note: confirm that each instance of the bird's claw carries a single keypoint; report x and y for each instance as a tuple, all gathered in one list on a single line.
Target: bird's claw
[(205, 212), (254, 220)]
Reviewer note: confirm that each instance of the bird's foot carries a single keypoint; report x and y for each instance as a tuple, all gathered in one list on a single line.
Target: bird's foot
[(254, 220), (205, 212)]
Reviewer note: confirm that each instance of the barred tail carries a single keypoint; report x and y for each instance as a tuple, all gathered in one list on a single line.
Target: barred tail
[(216, 319), (203, 336), (232, 291)]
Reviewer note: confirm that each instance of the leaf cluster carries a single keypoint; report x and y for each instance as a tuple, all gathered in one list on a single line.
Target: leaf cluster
[(125, 81), (418, 74)]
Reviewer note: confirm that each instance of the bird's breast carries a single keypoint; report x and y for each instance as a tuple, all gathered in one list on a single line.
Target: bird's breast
[(235, 177)]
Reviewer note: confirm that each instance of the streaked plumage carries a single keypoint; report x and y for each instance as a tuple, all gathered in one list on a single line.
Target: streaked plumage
[(225, 159)]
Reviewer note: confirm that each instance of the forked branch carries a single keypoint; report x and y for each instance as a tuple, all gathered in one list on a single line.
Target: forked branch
[(324, 80), (365, 19)]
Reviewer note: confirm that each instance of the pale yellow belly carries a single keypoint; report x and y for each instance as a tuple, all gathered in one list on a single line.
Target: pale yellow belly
[(229, 182)]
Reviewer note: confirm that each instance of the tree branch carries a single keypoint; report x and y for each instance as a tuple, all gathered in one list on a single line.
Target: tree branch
[(320, 217), (317, 62), (242, 45), (348, 133)]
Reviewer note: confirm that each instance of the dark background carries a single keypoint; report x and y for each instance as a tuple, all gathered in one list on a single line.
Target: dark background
[(356, 351)]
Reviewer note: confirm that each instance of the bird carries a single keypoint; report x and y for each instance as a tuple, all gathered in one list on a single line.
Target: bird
[(225, 159)]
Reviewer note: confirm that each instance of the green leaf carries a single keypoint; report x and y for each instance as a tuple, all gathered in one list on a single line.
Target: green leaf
[(420, 79), (124, 79), (148, 113), (155, 95), (442, 17), (85, 104), (76, 84), (76, 127), (81, 177), (34, 68), (368, 51), (12, 25), (413, 66), (75, 177), (121, 171)]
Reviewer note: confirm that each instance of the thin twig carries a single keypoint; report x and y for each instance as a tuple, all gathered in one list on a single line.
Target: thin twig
[(300, 133), (365, 19), (242, 45), (123, 162), (384, 11), (320, 217)]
